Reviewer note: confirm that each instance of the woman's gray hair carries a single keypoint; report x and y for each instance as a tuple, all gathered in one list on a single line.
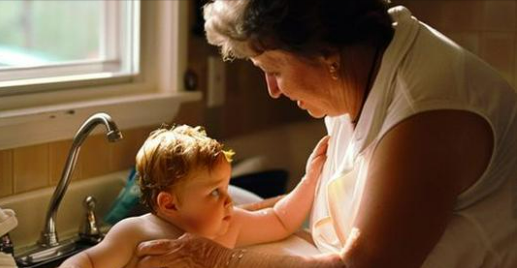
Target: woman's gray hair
[(224, 26), (307, 28)]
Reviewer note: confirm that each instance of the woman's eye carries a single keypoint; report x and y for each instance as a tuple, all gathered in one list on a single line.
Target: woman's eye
[(215, 193)]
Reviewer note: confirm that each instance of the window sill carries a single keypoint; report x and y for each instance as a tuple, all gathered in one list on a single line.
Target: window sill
[(24, 127)]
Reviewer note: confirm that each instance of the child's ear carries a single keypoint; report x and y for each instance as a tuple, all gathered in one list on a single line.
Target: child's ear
[(167, 203)]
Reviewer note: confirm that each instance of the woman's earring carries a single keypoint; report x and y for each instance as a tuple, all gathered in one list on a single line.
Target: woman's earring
[(333, 71)]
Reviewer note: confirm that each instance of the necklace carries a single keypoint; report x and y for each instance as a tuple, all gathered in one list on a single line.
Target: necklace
[(368, 86)]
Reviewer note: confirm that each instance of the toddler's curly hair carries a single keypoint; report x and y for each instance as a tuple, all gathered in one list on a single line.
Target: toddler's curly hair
[(170, 155)]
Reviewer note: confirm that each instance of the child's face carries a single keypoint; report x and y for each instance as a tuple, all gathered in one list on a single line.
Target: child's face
[(206, 207)]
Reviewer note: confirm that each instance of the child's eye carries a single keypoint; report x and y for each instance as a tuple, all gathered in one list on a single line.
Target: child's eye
[(215, 193)]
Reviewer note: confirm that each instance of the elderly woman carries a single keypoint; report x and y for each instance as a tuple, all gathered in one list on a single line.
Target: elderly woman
[(422, 160)]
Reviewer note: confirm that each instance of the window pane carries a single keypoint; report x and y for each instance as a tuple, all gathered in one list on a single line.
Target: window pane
[(44, 42), (34, 33)]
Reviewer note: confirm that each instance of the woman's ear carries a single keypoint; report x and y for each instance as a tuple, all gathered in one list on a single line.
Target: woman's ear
[(167, 203), (331, 61), (330, 57)]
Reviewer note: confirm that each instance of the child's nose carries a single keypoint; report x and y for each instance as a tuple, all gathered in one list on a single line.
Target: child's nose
[(228, 201)]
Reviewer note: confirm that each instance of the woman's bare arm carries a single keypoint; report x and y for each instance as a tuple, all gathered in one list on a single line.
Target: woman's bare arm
[(414, 178), (192, 251)]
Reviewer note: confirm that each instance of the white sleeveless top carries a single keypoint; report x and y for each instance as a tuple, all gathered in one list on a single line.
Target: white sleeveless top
[(422, 70)]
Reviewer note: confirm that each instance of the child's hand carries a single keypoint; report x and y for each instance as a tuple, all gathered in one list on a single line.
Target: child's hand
[(317, 159)]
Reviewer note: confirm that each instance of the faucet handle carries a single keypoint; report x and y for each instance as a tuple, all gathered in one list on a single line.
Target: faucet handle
[(89, 203), (90, 228), (6, 244)]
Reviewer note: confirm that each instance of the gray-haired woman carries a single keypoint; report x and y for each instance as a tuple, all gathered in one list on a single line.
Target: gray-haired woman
[(422, 160)]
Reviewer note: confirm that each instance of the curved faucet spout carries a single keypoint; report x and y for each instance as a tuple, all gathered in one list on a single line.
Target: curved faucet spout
[(49, 236)]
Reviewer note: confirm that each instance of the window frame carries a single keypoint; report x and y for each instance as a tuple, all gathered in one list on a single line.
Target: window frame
[(150, 98)]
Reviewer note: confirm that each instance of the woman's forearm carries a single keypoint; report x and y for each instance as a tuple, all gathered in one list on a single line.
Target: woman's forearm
[(243, 258), (198, 252)]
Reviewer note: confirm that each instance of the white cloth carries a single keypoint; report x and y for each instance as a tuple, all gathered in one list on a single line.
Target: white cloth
[(422, 70), (8, 221), (7, 261)]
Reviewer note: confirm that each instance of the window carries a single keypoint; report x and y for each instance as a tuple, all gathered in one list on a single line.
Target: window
[(56, 41), (132, 69)]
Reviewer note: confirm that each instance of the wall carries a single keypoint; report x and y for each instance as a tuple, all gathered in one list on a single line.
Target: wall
[(248, 109), (34, 167), (486, 28)]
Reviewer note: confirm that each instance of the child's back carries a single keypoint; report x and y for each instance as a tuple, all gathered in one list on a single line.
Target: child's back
[(119, 246)]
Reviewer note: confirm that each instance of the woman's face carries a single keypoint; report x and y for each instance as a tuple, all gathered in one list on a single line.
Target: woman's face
[(309, 84)]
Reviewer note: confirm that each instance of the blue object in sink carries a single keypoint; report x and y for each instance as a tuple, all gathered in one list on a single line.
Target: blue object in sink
[(128, 198)]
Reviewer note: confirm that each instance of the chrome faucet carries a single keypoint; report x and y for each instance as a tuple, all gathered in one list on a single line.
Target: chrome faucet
[(49, 236)]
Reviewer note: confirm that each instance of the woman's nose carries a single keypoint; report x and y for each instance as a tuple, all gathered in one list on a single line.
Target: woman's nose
[(272, 86)]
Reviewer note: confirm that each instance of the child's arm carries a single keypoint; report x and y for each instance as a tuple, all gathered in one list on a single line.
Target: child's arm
[(288, 214), (115, 250)]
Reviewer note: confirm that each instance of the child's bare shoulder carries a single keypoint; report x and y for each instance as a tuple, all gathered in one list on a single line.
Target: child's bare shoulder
[(157, 228), (143, 228), (152, 227), (128, 229)]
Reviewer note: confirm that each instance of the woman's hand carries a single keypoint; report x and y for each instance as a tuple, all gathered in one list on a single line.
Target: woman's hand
[(317, 159), (191, 251), (188, 251)]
